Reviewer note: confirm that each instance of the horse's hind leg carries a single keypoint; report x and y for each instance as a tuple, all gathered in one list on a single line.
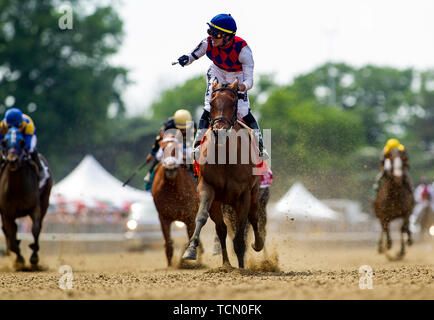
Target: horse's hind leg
[(165, 228), (36, 230), (217, 247), (10, 229), (253, 218)]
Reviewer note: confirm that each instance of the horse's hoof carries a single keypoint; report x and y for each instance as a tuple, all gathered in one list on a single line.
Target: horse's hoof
[(34, 259), (190, 254), (19, 264), (258, 247), (410, 242)]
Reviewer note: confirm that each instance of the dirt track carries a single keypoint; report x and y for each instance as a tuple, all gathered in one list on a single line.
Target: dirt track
[(298, 271)]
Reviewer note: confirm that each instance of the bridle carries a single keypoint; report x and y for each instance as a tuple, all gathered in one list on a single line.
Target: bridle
[(232, 121)]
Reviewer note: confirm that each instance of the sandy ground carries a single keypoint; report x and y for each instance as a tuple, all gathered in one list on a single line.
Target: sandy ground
[(292, 270)]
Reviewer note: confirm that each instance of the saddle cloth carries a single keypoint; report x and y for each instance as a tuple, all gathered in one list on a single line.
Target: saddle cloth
[(46, 175)]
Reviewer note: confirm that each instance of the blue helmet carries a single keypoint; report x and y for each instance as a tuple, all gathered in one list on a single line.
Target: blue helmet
[(223, 23), (14, 117)]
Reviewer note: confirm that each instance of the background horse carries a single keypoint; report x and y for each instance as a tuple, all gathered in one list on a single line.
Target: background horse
[(394, 200), (20, 195), (221, 182), (174, 192)]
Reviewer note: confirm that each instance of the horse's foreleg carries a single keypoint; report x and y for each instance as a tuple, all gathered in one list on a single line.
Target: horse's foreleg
[(239, 242), (206, 196), (388, 237), (8, 250), (381, 241), (221, 229), (10, 229), (168, 245), (190, 232), (242, 210), (404, 229), (407, 230), (36, 230)]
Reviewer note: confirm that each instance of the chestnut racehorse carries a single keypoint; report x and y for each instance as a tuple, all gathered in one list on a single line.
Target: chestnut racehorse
[(174, 191), (394, 200), (226, 181)]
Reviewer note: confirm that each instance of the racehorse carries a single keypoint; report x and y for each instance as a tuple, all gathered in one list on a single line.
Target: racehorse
[(394, 200), (426, 220), (226, 181), (174, 192), (21, 195)]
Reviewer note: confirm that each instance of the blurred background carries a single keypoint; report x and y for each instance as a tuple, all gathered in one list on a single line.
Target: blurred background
[(333, 81)]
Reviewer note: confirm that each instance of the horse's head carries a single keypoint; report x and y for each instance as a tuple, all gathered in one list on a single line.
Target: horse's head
[(13, 148), (224, 106), (393, 165), (172, 158)]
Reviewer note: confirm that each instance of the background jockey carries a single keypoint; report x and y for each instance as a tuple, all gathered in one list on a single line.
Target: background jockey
[(392, 144), (180, 120), (15, 118), (424, 196), (232, 60)]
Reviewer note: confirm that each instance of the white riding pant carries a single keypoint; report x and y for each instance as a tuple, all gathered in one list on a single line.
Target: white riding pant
[(224, 77)]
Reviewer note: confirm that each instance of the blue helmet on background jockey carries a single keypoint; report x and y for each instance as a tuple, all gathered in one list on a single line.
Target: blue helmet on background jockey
[(222, 24), (14, 117)]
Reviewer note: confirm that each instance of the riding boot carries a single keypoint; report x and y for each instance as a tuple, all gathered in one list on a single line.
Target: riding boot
[(148, 175), (203, 127), (253, 124), (35, 157)]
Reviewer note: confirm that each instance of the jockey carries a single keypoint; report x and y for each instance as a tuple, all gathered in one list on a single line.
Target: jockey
[(424, 197), (390, 145), (15, 118), (181, 120), (232, 60)]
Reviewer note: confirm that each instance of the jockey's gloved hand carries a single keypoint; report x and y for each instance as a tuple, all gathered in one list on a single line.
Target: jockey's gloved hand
[(183, 60)]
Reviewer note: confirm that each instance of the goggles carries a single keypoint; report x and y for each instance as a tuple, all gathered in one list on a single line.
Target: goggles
[(215, 34)]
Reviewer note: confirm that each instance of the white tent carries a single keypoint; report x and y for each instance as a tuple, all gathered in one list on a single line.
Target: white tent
[(89, 181), (298, 202)]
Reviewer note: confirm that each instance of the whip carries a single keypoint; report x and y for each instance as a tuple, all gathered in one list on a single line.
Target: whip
[(134, 173)]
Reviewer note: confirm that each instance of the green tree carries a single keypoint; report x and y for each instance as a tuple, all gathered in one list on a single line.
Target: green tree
[(61, 78)]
